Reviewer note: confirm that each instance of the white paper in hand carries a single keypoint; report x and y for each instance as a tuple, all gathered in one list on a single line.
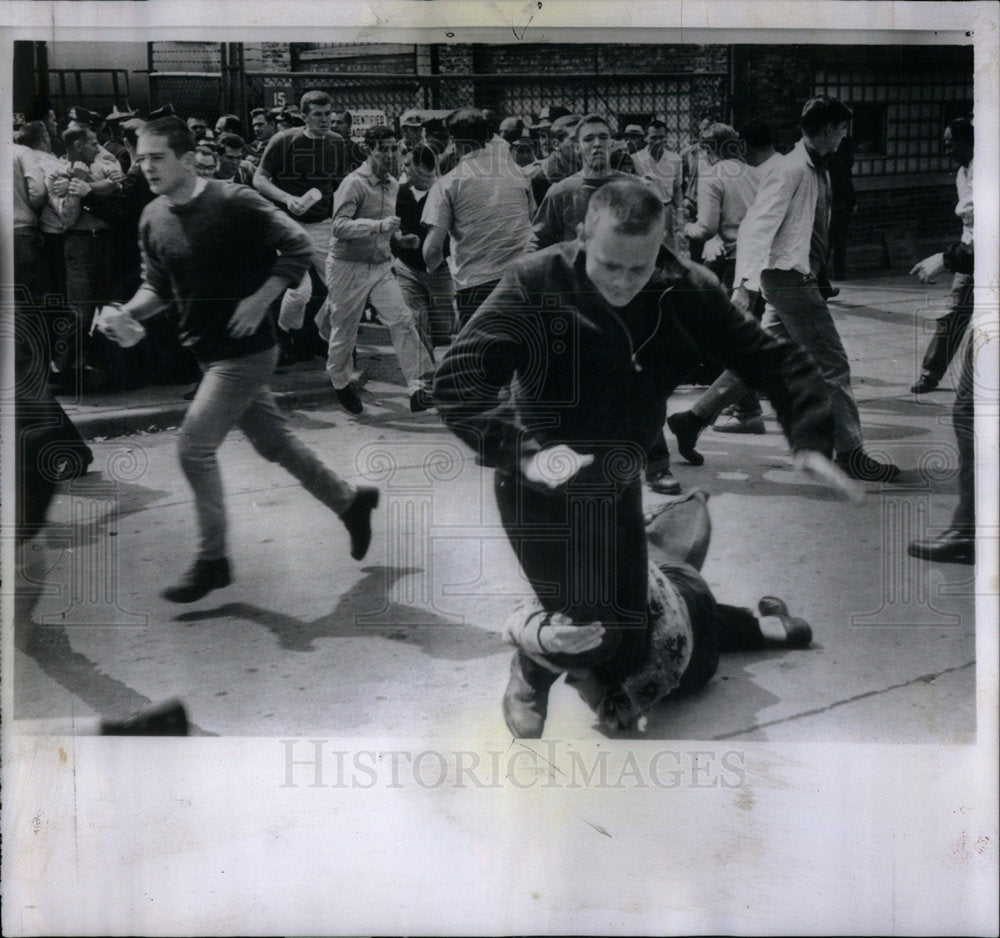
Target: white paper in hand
[(119, 326)]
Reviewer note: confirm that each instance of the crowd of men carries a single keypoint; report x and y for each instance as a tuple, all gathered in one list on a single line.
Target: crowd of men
[(462, 234)]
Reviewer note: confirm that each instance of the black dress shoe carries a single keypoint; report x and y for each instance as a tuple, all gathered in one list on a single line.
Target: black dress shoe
[(200, 580), (925, 384), (798, 633), (686, 426), (168, 719), (526, 699), (349, 399), (857, 464), (420, 400), (663, 482), (952, 546), (358, 520)]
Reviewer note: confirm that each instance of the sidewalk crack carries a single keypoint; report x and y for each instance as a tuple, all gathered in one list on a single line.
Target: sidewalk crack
[(923, 678)]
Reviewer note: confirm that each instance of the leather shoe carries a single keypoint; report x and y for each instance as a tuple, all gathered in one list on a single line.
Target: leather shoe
[(349, 399), (526, 700), (952, 546), (686, 426), (857, 464), (420, 400), (925, 384), (663, 482), (798, 633), (200, 580), (739, 424), (358, 520)]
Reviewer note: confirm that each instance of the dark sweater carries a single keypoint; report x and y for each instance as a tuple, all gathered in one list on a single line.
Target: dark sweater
[(211, 253), (409, 210), (565, 206), (296, 163), (569, 361)]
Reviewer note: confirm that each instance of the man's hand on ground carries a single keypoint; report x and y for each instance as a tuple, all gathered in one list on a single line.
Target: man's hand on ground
[(561, 636), (555, 465)]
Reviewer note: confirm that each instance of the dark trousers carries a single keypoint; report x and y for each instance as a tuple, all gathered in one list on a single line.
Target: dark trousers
[(583, 549), (88, 285), (840, 218), (470, 299), (658, 457), (950, 328), (963, 418)]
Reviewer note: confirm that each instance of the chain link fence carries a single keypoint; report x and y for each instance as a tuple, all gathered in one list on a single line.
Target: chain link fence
[(677, 99)]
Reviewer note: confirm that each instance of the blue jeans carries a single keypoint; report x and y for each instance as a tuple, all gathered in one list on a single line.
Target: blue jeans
[(795, 310), (236, 392)]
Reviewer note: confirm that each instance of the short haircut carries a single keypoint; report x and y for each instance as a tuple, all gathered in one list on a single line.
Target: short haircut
[(820, 111), (75, 135), (33, 134), (378, 132), (258, 112), (591, 119), (423, 157), (961, 131), (231, 124), (632, 207), (230, 142), (757, 134), (179, 139), (319, 98), (656, 122), (205, 150), (468, 126), (435, 127), (345, 115), (724, 140)]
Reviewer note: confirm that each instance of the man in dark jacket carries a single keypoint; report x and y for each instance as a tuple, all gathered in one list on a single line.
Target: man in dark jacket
[(560, 381)]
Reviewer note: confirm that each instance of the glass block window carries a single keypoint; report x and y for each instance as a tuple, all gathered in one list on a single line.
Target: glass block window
[(899, 113)]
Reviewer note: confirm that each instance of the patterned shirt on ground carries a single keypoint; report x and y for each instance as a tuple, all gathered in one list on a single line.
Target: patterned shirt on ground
[(296, 163), (485, 204), (211, 253)]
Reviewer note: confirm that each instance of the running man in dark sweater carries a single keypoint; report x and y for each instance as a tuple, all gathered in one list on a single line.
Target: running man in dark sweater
[(224, 254)]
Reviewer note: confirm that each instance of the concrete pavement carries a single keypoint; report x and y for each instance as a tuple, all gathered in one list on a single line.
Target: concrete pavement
[(308, 642)]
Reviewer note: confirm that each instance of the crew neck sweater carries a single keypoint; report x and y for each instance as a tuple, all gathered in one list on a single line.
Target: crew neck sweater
[(212, 252)]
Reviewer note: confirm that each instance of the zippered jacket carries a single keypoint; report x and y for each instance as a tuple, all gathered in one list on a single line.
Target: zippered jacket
[(546, 360)]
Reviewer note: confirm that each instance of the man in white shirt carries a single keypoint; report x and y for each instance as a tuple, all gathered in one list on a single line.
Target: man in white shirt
[(663, 170), (781, 248), (485, 205), (958, 144)]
